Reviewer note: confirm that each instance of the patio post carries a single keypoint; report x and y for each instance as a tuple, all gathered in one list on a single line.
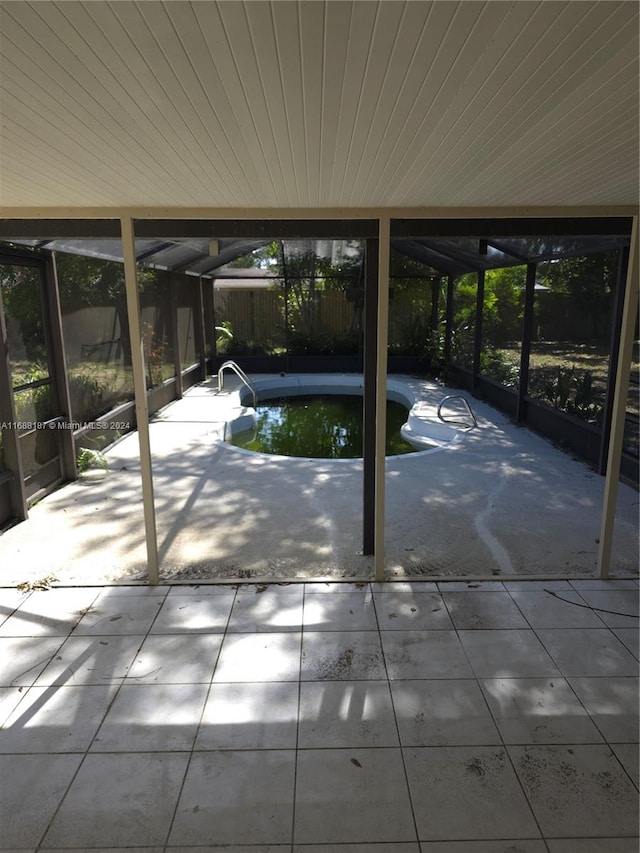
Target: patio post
[(527, 330), (448, 323), (477, 333), (140, 391), (381, 391), (629, 314), (370, 376)]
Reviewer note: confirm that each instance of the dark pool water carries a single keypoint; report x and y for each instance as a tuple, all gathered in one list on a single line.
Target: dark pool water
[(319, 427)]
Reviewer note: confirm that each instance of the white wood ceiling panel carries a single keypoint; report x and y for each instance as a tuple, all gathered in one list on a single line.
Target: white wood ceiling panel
[(572, 137), (361, 31), (96, 127), (283, 103), (312, 48), (197, 129), (365, 138), (45, 131), (538, 111), (267, 97), (455, 53), (288, 51), (336, 38)]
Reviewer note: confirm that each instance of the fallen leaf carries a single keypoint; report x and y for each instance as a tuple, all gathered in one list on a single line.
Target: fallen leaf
[(355, 762)]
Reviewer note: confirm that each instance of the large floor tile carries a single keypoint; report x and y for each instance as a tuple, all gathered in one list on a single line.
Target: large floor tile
[(27, 804), (266, 612), (250, 716), (537, 585), (618, 608), (628, 754), (252, 590), (538, 710), (509, 846), (229, 848), (119, 800), (56, 719), (103, 850), (613, 705), (10, 698), (507, 654), (119, 614), (394, 847), (424, 654), (176, 659), (10, 599), (605, 585), (259, 657), (442, 712), (22, 660), (352, 796), (233, 797), (471, 611), (341, 656), (594, 845), (207, 614), (415, 587), (577, 790), (630, 637), (54, 612), (332, 587), (406, 611), (588, 652), (201, 589), (139, 589), (564, 610), (346, 714), (339, 612), (467, 792), (91, 660), (152, 717)]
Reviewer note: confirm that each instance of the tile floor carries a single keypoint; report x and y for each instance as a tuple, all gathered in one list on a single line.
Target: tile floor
[(322, 718)]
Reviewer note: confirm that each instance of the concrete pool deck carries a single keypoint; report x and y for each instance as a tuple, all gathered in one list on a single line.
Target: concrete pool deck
[(502, 502)]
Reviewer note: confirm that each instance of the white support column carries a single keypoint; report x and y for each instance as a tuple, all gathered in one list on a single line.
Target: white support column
[(140, 390), (381, 394), (629, 314)]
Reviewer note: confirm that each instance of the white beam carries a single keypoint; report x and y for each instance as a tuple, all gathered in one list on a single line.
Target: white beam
[(629, 314), (268, 213), (381, 395), (140, 390)]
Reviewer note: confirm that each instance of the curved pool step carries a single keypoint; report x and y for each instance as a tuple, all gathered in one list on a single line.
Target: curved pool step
[(425, 430)]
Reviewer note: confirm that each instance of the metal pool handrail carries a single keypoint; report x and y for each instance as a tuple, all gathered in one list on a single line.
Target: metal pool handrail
[(231, 365), (466, 403)]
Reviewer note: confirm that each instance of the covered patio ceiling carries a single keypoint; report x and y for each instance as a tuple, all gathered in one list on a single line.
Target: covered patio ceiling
[(278, 104)]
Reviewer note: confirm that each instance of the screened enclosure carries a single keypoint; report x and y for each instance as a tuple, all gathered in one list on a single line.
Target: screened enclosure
[(522, 316)]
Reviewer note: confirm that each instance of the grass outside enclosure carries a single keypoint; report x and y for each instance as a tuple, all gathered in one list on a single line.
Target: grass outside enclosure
[(573, 377)]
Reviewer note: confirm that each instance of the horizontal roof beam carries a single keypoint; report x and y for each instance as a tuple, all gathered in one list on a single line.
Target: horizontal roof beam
[(603, 226)]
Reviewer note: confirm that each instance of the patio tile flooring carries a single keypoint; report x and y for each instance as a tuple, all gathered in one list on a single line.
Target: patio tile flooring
[(320, 718)]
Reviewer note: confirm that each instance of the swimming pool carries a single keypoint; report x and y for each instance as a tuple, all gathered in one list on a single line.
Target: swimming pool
[(416, 427), (319, 426)]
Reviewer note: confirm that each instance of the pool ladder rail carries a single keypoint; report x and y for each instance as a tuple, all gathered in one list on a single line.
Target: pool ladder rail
[(450, 420), (242, 376)]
